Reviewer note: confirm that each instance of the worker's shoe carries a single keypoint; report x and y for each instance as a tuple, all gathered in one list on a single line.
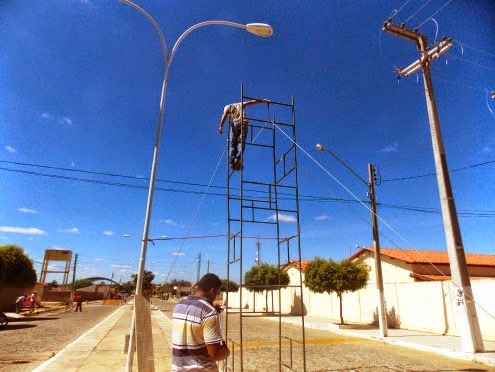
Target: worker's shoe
[(238, 164)]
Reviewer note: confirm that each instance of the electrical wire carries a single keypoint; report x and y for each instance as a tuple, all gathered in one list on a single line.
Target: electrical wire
[(307, 198), (435, 268), (427, 19)]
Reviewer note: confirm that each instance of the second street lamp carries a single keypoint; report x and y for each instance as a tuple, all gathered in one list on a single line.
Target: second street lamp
[(382, 311)]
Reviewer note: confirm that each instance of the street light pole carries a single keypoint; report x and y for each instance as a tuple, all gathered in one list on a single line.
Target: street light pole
[(382, 310), (259, 29)]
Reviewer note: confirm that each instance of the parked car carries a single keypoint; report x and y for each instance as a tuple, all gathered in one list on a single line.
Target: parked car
[(26, 303)]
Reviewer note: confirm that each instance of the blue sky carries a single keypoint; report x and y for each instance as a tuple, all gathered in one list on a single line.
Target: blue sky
[(80, 83)]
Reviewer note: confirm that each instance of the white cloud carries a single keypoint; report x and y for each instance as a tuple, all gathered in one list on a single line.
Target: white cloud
[(72, 164), (26, 210), (22, 230), (394, 147), (168, 222), (322, 218), (282, 218), (65, 120), (488, 149), (11, 149), (59, 248), (74, 230), (99, 259), (177, 254), (108, 233)]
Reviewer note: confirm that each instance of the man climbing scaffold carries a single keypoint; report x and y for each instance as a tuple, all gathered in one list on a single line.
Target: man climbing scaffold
[(238, 129)]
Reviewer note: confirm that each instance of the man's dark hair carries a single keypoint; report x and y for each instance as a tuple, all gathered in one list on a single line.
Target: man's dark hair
[(209, 281)]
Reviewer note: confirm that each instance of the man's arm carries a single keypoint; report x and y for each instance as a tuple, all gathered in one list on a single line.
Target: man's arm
[(255, 101), (222, 120), (218, 351)]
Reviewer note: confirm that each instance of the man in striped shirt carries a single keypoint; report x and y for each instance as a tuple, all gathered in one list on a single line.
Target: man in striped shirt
[(196, 337)]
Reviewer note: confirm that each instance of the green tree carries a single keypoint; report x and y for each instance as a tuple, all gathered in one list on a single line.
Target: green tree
[(128, 287), (232, 286), (147, 280), (329, 276), (3, 270), (19, 271), (266, 277), (81, 283)]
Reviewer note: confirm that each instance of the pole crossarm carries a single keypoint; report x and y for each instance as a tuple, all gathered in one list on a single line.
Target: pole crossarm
[(421, 42)]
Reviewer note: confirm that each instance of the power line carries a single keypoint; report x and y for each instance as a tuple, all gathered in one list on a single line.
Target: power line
[(306, 198), (434, 174)]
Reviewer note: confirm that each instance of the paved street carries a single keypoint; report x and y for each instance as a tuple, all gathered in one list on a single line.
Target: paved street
[(29, 342), (328, 351)]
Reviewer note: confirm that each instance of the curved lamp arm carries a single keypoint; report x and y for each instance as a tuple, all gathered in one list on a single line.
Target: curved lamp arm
[(259, 29), (155, 25)]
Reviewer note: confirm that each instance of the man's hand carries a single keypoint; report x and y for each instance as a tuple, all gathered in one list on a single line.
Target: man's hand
[(220, 130), (218, 307)]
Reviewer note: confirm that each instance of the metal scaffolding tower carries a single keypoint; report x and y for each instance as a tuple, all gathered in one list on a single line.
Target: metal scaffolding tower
[(262, 204)]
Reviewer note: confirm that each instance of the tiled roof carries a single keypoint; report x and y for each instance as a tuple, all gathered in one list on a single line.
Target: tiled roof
[(296, 264), (434, 257), (428, 277)]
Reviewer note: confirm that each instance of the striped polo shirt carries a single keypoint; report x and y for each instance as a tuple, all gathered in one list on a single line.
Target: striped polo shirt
[(195, 324)]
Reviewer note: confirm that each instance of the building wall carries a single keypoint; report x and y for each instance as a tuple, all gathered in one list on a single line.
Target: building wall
[(422, 306), (392, 270)]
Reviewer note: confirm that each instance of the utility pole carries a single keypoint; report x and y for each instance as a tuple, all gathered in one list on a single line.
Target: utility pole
[(382, 309), (74, 276), (382, 313), (469, 330), (257, 259), (199, 267)]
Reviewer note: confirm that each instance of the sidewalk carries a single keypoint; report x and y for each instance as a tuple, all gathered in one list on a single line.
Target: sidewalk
[(449, 346), (102, 347)]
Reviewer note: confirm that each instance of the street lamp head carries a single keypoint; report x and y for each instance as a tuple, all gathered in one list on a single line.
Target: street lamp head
[(260, 29), (320, 147)]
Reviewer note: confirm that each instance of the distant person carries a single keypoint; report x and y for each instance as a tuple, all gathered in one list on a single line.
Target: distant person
[(196, 337), (238, 129), (19, 303), (78, 300), (32, 306)]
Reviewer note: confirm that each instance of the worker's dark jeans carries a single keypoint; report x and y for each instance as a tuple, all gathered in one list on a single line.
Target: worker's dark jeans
[(237, 138)]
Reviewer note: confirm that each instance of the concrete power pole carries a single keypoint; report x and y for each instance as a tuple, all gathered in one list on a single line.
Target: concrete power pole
[(382, 309), (257, 259), (74, 276), (198, 275), (469, 329)]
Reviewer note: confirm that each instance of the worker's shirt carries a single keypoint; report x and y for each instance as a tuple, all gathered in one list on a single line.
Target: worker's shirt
[(195, 324), (235, 111)]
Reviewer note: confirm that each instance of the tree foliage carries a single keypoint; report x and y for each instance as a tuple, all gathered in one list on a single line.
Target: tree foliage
[(147, 280), (82, 283), (3, 270), (127, 287), (329, 276), (264, 277), (232, 286), (19, 271)]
